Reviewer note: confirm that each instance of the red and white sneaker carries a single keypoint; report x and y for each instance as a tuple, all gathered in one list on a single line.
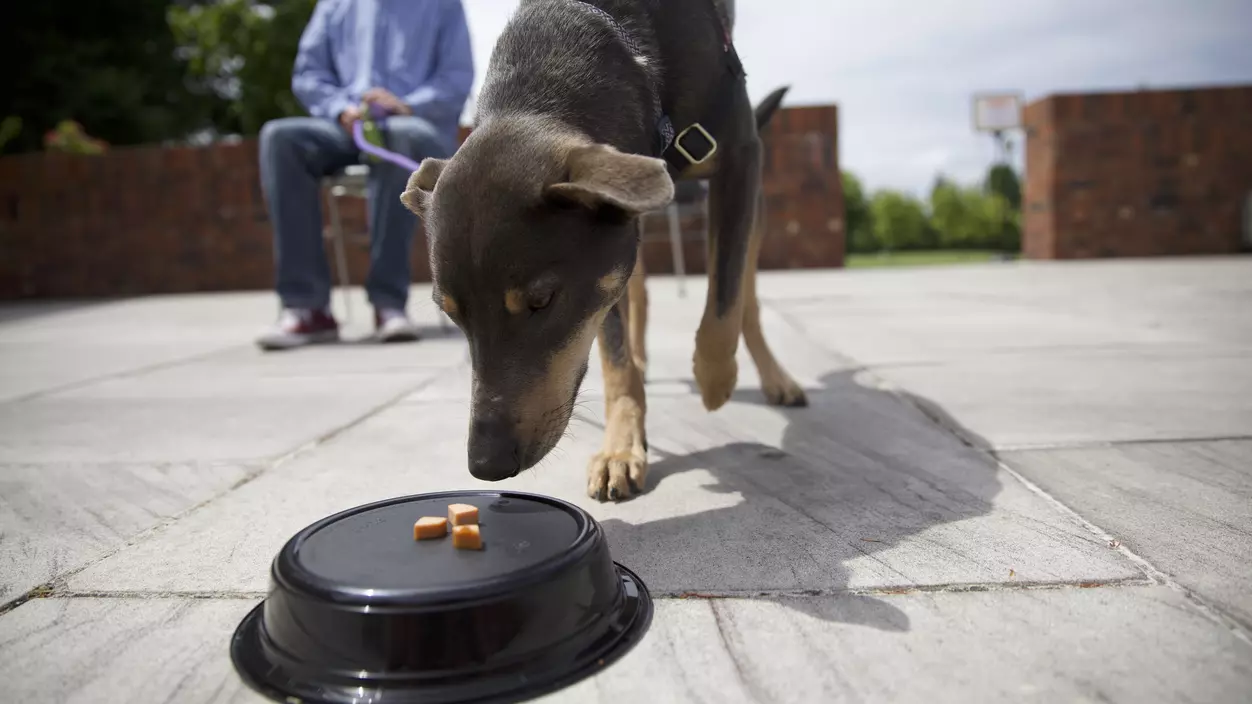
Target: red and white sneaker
[(393, 325), (298, 327)]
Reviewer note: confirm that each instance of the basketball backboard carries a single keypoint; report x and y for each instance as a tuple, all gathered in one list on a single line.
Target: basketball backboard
[(997, 112)]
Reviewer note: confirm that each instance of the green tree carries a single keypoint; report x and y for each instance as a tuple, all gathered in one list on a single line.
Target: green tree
[(970, 218), (241, 54), (900, 222), (10, 128), (110, 65), (952, 215), (859, 228), (1002, 180)]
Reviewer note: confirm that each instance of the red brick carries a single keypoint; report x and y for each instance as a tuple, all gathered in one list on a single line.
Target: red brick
[(1179, 160), (154, 220)]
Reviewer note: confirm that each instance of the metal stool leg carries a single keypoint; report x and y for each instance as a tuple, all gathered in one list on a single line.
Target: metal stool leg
[(676, 247), (341, 257)]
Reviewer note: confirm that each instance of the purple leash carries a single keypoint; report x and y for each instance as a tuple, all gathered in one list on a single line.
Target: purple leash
[(358, 135)]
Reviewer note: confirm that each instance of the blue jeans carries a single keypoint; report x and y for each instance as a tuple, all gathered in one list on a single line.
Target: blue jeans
[(295, 153)]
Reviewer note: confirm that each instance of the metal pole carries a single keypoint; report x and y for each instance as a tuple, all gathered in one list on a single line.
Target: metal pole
[(336, 228)]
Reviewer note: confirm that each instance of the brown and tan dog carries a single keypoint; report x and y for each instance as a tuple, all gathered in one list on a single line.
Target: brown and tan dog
[(534, 224)]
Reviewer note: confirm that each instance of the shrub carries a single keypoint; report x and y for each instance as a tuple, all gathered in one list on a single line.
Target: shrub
[(900, 222)]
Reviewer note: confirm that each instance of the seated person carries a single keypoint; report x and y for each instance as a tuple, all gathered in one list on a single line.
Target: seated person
[(409, 57)]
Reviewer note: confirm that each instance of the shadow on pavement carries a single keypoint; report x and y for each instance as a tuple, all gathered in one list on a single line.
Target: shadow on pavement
[(856, 474)]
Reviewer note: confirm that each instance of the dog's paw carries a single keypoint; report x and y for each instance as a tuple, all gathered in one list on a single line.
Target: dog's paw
[(716, 379), (781, 390), (615, 476)]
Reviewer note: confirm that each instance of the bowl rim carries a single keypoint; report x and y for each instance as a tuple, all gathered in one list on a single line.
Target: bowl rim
[(261, 674), (296, 580)]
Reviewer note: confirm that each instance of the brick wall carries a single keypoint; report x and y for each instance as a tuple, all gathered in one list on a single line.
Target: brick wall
[(1147, 173), (164, 220)]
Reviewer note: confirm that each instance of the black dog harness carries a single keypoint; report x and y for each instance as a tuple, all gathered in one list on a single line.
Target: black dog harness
[(696, 143)]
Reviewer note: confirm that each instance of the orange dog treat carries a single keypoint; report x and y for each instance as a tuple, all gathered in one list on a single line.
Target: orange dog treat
[(428, 527), (462, 515), (467, 538)]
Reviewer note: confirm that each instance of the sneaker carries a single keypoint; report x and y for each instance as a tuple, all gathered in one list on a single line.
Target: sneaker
[(392, 325), (299, 327)]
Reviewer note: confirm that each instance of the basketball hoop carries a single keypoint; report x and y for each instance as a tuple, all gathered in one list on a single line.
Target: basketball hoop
[(997, 112)]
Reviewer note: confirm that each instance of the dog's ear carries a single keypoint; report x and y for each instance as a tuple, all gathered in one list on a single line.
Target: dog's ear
[(599, 176), (416, 196)]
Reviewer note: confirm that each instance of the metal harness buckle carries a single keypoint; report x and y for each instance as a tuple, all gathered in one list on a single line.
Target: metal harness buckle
[(678, 144)]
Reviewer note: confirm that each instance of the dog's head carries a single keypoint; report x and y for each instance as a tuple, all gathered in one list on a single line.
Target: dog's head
[(533, 234)]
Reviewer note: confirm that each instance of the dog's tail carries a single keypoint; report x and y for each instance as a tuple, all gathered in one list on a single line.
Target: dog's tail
[(766, 108)]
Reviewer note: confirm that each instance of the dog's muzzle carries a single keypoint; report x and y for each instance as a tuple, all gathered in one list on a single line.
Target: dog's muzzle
[(494, 453)]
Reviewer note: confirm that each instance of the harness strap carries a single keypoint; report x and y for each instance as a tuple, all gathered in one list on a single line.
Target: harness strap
[(697, 142)]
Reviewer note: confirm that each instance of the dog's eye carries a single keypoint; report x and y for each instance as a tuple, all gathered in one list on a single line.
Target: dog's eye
[(540, 300)]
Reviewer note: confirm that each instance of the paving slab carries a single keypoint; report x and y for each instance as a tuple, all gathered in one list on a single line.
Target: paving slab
[(1046, 354), (31, 369), (205, 410), (57, 518), (173, 430), (1204, 286), (904, 328), (122, 650), (859, 490), (1128, 645), (1186, 507), (49, 346), (1021, 400)]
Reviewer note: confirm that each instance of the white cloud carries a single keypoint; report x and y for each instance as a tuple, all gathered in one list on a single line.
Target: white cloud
[(903, 72)]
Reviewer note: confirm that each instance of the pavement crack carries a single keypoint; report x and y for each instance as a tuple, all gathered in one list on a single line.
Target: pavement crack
[(906, 589), (159, 594), (1103, 444), (42, 591), (1154, 574), (59, 591), (749, 684)]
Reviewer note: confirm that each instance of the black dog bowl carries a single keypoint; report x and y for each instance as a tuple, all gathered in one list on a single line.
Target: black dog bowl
[(359, 611)]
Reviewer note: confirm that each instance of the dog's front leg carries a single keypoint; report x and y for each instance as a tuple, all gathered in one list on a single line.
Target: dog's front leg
[(621, 467), (732, 206)]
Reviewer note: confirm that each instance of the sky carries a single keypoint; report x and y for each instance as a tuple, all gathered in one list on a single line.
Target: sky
[(903, 72)]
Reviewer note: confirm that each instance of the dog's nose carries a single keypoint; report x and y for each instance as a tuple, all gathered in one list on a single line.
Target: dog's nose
[(493, 450)]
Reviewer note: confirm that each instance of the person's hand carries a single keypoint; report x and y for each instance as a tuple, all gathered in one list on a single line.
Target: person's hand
[(386, 100), (349, 115)]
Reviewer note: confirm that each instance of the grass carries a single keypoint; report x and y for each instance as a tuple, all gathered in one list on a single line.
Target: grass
[(920, 258)]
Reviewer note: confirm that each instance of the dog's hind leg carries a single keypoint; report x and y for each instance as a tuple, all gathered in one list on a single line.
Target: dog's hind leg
[(637, 293), (732, 205), (621, 466), (780, 389)]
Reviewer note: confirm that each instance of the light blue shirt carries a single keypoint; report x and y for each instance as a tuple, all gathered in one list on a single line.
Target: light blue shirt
[(417, 49)]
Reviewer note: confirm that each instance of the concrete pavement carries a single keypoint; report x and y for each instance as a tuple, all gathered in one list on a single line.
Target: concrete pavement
[(1015, 481)]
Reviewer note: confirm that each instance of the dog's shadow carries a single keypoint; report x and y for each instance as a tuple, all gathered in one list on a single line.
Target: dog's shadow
[(859, 472)]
